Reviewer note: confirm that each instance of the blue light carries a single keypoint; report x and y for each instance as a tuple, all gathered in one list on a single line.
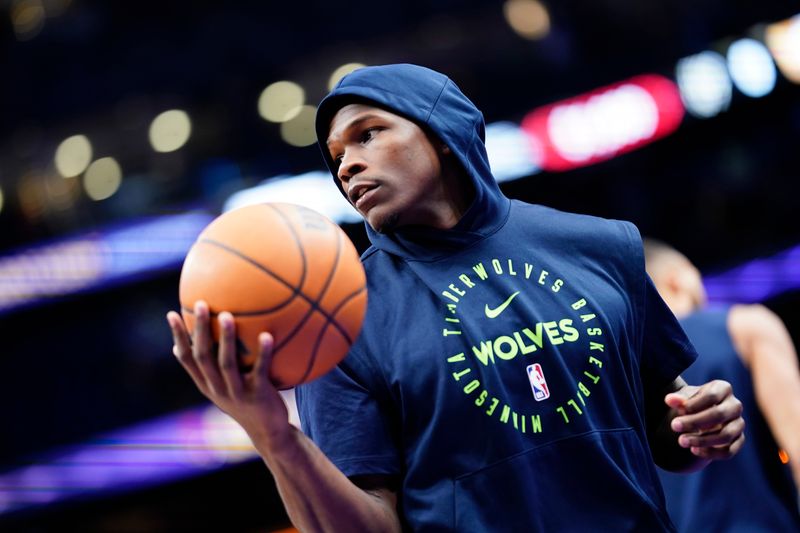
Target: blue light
[(751, 68), (314, 190), (704, 84), (511, 152), (96, 259)]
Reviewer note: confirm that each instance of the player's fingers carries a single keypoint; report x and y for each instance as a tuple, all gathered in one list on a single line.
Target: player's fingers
[(724, 436), (201, 336), (710, 419), (264, 360), (720, 452), (708, 395), (677, 400), (180, 337), (182, 349), (203, 349), (228, 364)]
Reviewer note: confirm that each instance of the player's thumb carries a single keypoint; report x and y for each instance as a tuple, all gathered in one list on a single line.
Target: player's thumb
[(677, 399)]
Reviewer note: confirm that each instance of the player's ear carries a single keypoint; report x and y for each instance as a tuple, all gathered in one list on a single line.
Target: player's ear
[(445, 150), (673, 281)]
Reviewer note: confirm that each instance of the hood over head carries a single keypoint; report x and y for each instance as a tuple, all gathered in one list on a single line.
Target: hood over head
[(434, 102)]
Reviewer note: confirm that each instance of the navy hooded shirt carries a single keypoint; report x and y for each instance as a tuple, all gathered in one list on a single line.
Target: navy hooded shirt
[(501, 371)]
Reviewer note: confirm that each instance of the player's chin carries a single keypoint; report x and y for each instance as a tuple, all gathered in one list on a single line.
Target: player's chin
[(382, 222)]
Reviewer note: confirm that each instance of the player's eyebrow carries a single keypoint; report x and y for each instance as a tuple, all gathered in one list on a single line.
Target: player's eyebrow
[(354, 124)]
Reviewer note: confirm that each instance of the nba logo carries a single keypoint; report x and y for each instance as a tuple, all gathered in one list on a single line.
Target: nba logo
[(538, 383)]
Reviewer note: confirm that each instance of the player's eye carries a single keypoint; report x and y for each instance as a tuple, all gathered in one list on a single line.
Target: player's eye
[(368, 134)]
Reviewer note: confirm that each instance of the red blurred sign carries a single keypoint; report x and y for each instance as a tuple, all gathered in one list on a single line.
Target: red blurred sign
[(604, 123)]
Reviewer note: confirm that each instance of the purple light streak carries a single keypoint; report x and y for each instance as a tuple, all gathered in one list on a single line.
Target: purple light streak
[(756, 280), (99, 258), (169, 448)]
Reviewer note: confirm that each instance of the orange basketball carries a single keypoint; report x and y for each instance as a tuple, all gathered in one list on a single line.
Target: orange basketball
[(284, 269)]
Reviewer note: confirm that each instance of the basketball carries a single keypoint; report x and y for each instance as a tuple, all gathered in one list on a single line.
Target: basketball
[(284, 269)]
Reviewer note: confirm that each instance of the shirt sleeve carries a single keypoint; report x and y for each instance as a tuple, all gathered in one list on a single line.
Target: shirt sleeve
[(342, 413), (666, 350)]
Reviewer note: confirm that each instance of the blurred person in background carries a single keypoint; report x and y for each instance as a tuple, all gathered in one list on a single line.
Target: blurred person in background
[(516, 370), (748, 346)]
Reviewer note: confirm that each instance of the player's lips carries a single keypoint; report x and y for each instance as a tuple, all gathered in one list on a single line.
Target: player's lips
[(360, 193)]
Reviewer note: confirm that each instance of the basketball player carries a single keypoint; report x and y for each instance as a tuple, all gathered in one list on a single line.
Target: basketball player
[(748, 346), (516, 371)]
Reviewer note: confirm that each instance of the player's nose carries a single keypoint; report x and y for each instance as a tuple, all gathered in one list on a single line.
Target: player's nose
[(351, 164)]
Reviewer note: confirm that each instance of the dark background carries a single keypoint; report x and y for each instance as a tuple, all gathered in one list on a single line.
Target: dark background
[(722, 190)]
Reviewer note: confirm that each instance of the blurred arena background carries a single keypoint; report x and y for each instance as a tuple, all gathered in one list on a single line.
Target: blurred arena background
[(127, 126)]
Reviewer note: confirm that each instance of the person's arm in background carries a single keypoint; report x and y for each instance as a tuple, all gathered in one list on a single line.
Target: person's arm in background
[(690, 426), (766, 349), (316, 494)]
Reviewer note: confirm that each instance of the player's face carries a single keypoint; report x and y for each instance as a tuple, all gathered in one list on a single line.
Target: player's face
[(390, 169)]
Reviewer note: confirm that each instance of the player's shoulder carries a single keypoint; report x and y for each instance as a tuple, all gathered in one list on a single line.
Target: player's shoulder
[(579, 228), (754, 319)]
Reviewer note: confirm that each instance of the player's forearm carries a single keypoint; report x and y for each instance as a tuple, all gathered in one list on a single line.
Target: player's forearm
[(766, 348), (318, 496), (777, 387)]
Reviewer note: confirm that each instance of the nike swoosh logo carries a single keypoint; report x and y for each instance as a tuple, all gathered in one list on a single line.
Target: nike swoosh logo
[(494, 313)]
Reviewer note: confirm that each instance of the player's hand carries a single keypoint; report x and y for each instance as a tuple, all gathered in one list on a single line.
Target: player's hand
[(709, 419), (249, 397)]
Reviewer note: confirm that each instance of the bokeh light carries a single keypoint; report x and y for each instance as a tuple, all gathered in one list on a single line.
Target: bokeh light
[(60, 194), (528, 18), (42, 193), (73, 155), (102, 179), (512, 154), (27, 18), (603, 124), (704, 84), (170, 130), (281, 101), (1, 200), (299, 131), (751, 67), (32, 201), (341, 72), (783, 40)]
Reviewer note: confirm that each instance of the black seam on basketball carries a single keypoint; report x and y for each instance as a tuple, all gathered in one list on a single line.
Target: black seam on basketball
[(297, 242), (259, 266), (295, 290), (313, 303), (313, 359), (320, 296)]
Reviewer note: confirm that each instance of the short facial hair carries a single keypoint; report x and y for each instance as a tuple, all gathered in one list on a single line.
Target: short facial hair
[(388, 224)]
